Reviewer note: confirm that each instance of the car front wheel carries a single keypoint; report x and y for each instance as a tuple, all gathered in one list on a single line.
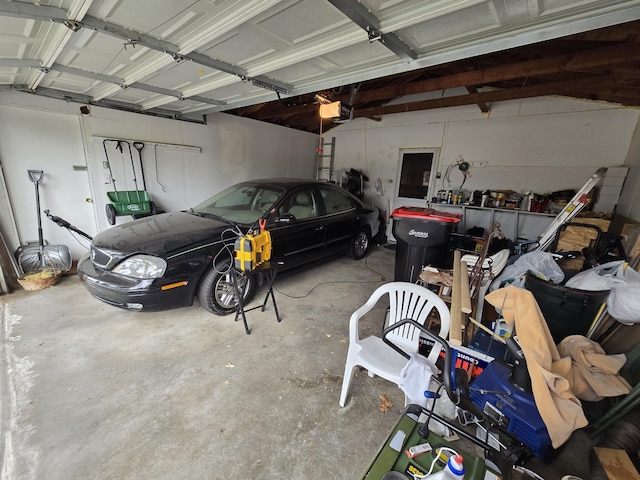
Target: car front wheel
[(360, 244), (216, 292)]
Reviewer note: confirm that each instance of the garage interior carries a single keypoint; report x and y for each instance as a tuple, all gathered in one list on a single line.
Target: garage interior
[(521, 101)]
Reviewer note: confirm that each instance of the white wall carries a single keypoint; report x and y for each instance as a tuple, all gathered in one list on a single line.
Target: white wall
[(629, 204), (543, 145), (52, 135)]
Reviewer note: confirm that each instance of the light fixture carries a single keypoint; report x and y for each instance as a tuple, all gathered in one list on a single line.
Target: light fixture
[(336, 110)]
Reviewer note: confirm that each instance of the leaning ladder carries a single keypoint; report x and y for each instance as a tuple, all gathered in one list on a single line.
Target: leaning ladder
[(577, 203), (326, 157)]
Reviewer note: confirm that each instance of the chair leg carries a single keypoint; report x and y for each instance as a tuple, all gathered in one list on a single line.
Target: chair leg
[(346, 382)]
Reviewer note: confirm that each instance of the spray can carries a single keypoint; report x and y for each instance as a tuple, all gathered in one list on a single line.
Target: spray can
[(454, 470)]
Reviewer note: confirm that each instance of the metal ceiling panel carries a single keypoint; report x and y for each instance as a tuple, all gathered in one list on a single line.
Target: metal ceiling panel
[(303, 20), (185, 56), (462, 25), (132, 96), (67, 82)]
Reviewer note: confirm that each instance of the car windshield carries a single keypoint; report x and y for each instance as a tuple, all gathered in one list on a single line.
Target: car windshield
[(242, 204)]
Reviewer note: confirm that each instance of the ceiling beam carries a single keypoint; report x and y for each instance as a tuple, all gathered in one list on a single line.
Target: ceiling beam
[(106, 103), (557, 88), (33, 11), (484, 108), (600, 57)]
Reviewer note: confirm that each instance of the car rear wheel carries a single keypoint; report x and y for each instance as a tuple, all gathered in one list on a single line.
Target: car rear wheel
[(360, 244), (216, 293)]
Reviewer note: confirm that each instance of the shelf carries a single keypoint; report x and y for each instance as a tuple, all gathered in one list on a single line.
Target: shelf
[(516, 224)]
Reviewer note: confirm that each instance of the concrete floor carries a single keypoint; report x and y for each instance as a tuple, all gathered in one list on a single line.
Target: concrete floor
[(90, 391)]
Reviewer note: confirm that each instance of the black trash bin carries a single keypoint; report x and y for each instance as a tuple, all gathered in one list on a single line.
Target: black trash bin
[(422, 238), (567, 311)]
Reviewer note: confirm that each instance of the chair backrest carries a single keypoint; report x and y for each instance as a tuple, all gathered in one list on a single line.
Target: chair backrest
[(408, 300)]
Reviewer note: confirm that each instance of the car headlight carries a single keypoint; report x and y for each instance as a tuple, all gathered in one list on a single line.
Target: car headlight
[(142, 266)]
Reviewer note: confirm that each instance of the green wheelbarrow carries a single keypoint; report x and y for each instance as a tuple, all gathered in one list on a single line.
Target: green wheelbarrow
[(136, 203)]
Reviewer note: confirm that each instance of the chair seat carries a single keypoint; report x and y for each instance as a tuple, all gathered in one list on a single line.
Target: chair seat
[(377, 357), (406, 301)]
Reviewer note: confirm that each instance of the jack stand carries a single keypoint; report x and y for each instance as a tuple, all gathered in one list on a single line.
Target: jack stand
[(271, 272)]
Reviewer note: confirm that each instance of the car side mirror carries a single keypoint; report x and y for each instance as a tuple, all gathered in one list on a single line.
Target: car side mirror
[(285, 218)]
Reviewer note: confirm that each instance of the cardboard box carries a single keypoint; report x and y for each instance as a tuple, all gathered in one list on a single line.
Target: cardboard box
[(576, 238), (631, 240)]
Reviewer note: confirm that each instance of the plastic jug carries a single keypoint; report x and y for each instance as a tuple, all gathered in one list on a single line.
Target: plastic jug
[(453, 470)]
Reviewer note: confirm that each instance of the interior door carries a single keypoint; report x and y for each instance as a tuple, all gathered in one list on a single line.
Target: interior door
[(416, 175), (416, 179)]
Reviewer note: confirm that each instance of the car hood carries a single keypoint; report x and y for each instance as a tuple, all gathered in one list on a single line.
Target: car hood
[(162, 234)]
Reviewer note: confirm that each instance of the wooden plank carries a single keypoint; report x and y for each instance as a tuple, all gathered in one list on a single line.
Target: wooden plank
[(617, 464), (455, 327), (465, 293)]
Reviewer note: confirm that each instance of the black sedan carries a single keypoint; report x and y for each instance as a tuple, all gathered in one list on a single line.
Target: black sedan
[(164, 261)]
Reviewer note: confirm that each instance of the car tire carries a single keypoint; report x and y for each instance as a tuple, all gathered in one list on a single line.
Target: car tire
[(360, 244), (216, 293)]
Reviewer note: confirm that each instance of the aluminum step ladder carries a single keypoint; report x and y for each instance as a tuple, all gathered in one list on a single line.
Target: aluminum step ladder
[(325, 161), (577, 203)]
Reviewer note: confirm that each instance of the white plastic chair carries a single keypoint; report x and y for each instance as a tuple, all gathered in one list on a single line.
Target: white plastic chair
[(406, 300)]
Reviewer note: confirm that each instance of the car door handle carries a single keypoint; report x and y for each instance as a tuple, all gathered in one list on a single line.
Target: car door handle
[(320, 228)]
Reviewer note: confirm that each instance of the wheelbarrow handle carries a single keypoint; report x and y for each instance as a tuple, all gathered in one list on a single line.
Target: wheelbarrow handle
[(35, 175)]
